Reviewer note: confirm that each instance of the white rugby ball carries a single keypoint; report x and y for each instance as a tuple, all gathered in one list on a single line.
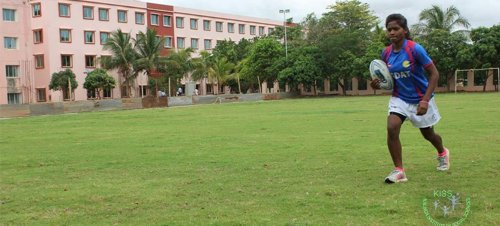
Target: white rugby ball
[(378, 69)]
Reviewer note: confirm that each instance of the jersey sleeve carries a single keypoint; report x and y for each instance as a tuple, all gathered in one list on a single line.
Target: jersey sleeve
[(422, 56)]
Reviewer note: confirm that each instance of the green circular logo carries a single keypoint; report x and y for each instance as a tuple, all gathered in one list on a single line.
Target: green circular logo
[(446, 208)]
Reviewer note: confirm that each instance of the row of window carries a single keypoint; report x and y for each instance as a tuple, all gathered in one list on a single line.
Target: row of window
[(41, 95), (88, 13), (15, 98), (219, 26), (89, 38), (103, 14)]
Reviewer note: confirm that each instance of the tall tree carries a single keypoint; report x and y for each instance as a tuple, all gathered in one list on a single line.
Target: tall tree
[(122, 57), (260, 60), (351, 15), (148, 46), (303, 68), (201, 65), (435, 18), (343, 35), (98, 80), (486, 49), (178, 65), (219, 71), (227, 49), (448, 52), (64, 81)]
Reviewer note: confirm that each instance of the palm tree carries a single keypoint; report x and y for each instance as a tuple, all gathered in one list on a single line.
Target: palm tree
[(435, 18), (201, 65), (148, 47), (123, 55), (237, 74), (220, 71), (178, 64)]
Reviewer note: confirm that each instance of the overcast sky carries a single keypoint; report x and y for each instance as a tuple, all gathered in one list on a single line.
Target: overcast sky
[(478, 12)]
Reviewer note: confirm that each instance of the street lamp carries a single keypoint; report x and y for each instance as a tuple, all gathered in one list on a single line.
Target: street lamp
[(285, 11)]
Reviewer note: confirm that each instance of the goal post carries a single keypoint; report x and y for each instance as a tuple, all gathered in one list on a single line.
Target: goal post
[(480, 69)]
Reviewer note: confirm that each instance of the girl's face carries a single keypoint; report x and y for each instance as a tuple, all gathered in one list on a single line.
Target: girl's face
[(395, 33)]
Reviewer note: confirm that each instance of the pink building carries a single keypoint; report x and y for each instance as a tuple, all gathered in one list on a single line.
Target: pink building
[(16, 53), (43, 37)]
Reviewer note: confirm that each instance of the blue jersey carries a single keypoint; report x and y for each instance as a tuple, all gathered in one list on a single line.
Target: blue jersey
[(407, 69)]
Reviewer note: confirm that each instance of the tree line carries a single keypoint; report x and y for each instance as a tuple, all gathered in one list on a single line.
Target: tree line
[(337, 46)]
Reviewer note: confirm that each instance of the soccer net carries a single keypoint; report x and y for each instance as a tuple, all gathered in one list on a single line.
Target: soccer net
[(461, 78)]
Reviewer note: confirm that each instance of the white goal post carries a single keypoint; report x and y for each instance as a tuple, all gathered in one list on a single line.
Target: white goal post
[(480, 69)]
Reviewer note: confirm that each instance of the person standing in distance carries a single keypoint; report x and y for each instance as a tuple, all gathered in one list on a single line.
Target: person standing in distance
[(412, 95)]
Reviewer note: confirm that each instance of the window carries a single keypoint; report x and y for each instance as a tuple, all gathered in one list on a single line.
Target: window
[(89, 37), (194, 24), (180, 43), (122, 16), (252, 30), (168, 42), (64, 10), (261, 30), (166, 21), (104, 37), (41, 95), (88, 12), (348, 84), (241, 28), (139, 18), (208, 44), (39, 61), (37, 36), (91, 94), (9, 14), (206, 25), (218, 26), (154, 19), (106, 92), (11, 71), (66, 61), (89, 61), (194, 43), (124, 91), (362, 84), (103, 14), (270, 30), (13, 98), (179, 22), (230, 27), (334, 85), (143, 90), (10, 42), (65, 35), (36, 10)]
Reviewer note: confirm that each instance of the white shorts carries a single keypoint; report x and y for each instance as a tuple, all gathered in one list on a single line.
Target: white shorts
[(430, 118)]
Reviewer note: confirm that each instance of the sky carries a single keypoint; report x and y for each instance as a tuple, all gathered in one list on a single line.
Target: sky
[(484, 13)]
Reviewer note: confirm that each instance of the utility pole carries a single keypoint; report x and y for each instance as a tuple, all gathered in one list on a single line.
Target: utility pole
[(285, 11)]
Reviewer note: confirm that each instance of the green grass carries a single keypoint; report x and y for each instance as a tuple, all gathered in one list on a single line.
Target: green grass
[(311, 161)]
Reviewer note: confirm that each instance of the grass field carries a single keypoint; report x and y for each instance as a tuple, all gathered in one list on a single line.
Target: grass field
[(310, 161)]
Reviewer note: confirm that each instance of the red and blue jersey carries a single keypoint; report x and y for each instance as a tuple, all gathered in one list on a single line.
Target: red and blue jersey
[(407, 69)]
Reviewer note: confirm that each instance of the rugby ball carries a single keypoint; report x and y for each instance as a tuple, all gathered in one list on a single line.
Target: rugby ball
[(378, 69)]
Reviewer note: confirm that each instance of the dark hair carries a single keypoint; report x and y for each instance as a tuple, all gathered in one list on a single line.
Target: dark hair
[(401, 20)]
